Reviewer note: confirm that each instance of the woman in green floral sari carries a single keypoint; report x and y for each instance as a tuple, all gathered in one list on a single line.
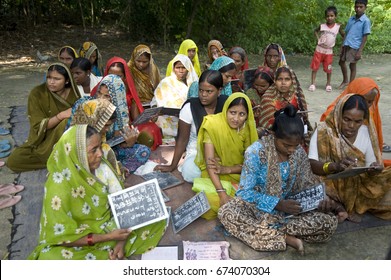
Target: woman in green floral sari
[(76, 220)]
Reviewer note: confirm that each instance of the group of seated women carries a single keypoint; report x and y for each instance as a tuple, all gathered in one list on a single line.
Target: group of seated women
[(240, 138)]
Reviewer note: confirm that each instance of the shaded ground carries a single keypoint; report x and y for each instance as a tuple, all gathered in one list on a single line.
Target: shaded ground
[(20, 72)]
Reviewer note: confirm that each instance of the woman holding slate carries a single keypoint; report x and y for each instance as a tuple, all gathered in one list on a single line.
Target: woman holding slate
[(348, 139), (76, 220), (209, 101), (274, 168)]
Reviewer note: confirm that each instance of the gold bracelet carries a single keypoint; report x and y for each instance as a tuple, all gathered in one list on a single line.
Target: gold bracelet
[(326, 167)]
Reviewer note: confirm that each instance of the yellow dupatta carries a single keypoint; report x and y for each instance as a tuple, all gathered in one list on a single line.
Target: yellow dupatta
[(229, 143), (184, 47)]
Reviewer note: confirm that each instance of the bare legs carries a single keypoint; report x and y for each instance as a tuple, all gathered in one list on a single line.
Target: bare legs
[(295, 243), (345, 81)]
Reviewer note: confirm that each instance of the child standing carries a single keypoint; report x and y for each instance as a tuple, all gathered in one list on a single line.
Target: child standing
[(326, 34), (357, 30)]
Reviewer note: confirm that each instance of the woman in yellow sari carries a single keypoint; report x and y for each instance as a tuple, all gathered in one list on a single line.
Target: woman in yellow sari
[(190, 49), (145, 72), (346, 139), (222, 140)]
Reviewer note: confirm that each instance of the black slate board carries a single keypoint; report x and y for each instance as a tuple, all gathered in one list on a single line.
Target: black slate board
[(166, 180)]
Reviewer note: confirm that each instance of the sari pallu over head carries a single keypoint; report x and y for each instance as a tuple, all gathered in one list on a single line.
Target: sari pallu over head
[(145, 82), (359, 193), (86, 50), (75, 54), (280, 54), (229, 144), (220, 50), (183, 48)]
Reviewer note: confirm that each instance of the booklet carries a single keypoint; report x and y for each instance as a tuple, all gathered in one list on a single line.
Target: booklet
[(210, 250), (309, 198)]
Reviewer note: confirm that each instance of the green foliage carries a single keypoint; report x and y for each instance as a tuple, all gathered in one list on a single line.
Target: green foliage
[(252, 24)]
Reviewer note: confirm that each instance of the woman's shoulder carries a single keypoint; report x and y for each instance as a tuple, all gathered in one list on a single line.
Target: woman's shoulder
[(38, 91)]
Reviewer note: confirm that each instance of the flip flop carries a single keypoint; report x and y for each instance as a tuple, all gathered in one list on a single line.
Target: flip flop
[(386, 148), (5, 147), (2, 163), (10, 189), (8, 200), (5, 154), (4, 131)]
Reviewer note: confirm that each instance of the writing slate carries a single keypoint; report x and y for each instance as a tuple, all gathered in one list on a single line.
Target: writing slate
[(309, 198), (170, 111), (189, 211), (350, 172), (115, 141), (147, 115), (138, 206), (166, 180)]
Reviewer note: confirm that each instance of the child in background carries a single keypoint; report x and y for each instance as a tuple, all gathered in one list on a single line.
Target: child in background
[(357, 31), (326, 34)]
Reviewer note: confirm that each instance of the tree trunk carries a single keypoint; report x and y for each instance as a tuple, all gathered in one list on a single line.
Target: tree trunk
[(195, 6), (92, 14), (82, 16)]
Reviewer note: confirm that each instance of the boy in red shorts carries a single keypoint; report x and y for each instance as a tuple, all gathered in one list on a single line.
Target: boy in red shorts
[(326, 34)]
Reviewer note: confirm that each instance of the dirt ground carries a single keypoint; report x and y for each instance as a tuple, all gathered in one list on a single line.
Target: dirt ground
[(20, 72)]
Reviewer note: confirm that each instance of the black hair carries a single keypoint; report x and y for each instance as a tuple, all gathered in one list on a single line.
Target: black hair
[(365, 2), (176, 62), (212, 77), (118, 64), (81, 62), (282, 69), (356, 102), (239, 101), (228, 67), (60, 69), (148, 55), (240, 51), (69, 51), (273, 47), (331, 9), (287, 123), (265, 76), (91, 131)]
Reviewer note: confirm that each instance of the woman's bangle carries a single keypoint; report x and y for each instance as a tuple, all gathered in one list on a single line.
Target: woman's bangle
[(57, 118), (220, 190), (326, 167), (89, 240)]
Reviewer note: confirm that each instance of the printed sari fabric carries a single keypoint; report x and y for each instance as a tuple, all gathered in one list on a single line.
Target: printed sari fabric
[(145, 82), (172, 93), (86, 50), (183, 48), (273, 100), (42, 105), (131, 157), (363, 192), (220, 52), (280, 54), (216, 65), (76, 204), (252, 217)]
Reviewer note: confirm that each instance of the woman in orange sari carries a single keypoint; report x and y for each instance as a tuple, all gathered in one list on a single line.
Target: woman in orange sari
[(370, 91)]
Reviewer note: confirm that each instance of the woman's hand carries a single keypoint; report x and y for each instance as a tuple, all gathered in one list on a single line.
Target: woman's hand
[(377, 168), (119, 234), (214, 163), (289, 206), (118, 252), (130, 135), (65, 114), (224, 198), (164, 168), (345, 163)]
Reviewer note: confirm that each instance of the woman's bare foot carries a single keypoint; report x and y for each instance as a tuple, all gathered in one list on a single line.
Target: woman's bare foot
[(295, 243), (354, 218), (343, 85)]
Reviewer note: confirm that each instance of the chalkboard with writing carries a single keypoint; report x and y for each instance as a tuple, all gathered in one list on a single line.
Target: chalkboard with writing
[(166, 180), (138, 206), (190, 211), (309, 198)]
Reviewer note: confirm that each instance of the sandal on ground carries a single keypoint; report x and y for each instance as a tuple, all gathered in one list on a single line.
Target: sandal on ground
[(5, 154), (329, 88), (8, 200), (10, 189), (2, 163), (312, 88), (386, 148), (4, 131)]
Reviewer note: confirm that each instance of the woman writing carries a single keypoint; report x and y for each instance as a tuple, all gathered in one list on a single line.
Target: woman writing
[(348, 138), (49, 107), (222, 141), (275, 167), (226, 66), (145, 72), (209, 101), (84, 78), (76, 221)]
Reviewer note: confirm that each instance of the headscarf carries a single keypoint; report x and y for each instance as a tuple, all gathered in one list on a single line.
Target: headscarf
[(240, 51), (87, 50), (273, 101), (280, 53), (362, 86), (118, 97), (358, 193), (131, 92), (145, 83), (220, 50), (229, 144), (67, 47), (216, 65), (183, 48)]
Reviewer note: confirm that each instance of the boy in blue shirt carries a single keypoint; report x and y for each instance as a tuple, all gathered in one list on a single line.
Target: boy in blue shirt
[(357, 31)]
